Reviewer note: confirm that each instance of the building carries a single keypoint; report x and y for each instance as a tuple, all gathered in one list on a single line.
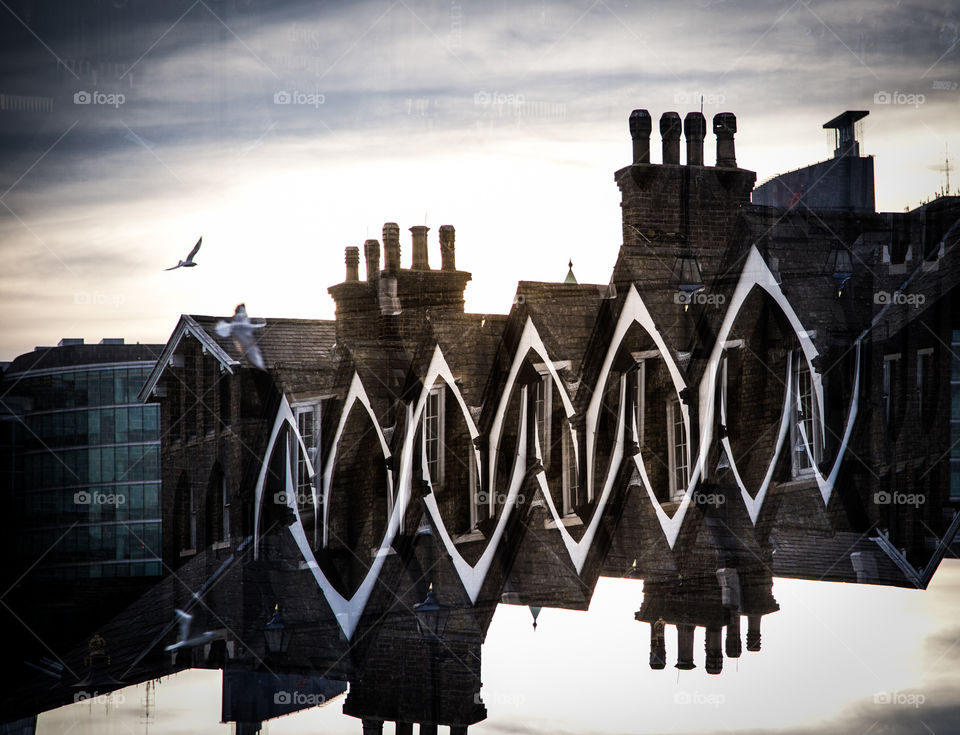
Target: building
[(759, 391), (81, 471)]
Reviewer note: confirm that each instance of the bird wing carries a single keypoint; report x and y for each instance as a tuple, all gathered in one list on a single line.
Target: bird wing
[(194, 251), (223, 328), (255, 356), (178, 265), (185, 619)]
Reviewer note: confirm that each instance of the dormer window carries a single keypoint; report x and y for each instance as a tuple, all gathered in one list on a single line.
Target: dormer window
[(433, 434)]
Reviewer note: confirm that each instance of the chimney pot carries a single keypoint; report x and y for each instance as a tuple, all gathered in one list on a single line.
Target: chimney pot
[(685, 633), (420, 259), (670, 127), (447, 248), (695, 130), (640, 126), (724, 126), (351, 256), (371, 251), (391, 247)]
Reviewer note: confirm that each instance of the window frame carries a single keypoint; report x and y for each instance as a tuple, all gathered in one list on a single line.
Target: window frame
[(435, 435), (798, 415), (674, 417)]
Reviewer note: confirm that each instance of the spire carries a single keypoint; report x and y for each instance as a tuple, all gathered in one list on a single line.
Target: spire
[(570, 277), (535, 611)]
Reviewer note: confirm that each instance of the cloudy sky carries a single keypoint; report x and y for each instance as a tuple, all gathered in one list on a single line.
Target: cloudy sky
[(284, 131)]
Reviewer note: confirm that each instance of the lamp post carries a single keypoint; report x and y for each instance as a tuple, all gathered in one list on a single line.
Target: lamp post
[(840, 266), (687, 278), (275, 634), (431, 617)]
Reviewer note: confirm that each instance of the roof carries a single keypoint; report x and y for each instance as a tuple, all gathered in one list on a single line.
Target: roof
[(288, 345), (50, 358)]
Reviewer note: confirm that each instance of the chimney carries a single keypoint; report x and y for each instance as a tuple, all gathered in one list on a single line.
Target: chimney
[(658, 647), (420, 260), (714, 650), (447, 252), (640, 132), (351, 256), (753, 632), (670, 127), (371, 251), (391, 247), (684, 632), (733, 644), (724, 126), (695, 130)]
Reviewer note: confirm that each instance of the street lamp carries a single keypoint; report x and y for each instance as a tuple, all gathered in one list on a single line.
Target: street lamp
[(431, 617), (275, 634), (687, 278), (840, 266)]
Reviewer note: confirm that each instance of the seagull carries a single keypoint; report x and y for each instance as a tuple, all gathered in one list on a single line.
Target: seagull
[(241, 329), (185, 640), (188, 263)]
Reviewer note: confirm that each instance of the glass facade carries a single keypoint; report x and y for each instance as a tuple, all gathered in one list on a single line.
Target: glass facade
[(83, 471), (955, 416)]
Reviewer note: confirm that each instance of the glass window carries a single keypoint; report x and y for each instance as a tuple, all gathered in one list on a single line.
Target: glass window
[(805, 427), (433, 433), (571, 494), (107, 464), (122, 426), (679, 457)]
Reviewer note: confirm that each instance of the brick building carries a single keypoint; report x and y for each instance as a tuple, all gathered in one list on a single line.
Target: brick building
[(759, 391)]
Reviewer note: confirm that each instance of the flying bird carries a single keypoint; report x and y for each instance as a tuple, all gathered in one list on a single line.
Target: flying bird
[(185, 640), (188, 263), (241, 329)]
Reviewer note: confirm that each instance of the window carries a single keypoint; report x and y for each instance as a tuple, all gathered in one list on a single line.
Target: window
[(804, 427), (433, 434), (955, 417), (308, 424), (543, 397), (924, 380), (571, 484), (225, 405), (678, 454), (479, 503), (207, 395), (193, 517), (225, 509), (640, 400), (891, 365)]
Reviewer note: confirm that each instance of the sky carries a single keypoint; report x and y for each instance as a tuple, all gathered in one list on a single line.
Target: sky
[(283, 132), (836, 658)]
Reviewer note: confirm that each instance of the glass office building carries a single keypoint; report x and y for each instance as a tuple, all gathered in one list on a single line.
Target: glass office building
[(82, 461)]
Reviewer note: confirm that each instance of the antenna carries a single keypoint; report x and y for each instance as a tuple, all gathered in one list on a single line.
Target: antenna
[(946, 165), (701, 104)]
